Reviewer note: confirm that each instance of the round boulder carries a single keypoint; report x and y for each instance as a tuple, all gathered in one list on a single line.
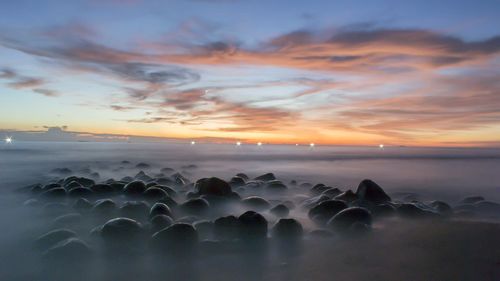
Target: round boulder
[(370, 191), (253, 226), (212, 186), (347, 217)]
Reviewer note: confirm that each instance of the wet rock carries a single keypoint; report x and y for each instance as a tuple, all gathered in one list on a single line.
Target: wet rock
[(410, 210), (85, 182), (134, 209), (165, 181), (287, 229), (169, 201), (67, 219), (57, 192), (325, 210), (170, 191), (51, 238), (160, 209), (127, 179), (347, 217), (141, 176), (243, 176), (80, 192), (331, 192), (51, 186), (226, 228), (275, 185), (143, 166), (179, 179), (104, 206), (155, 193), (256, 203), (72, 184), (160, 222), (195, 206), (253, 226), (134, 188), (383, 210), (266, 177), (346, 196), (72, 249), (319, 188), (442, 207), (280, 210), (370, 191), (102, 188), (311, 202), (119, 230), (82, 204), (179, 238), (212, 186), (472, 199), (237, 181)]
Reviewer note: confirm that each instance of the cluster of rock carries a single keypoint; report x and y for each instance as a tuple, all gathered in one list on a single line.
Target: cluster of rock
[(167, 213)]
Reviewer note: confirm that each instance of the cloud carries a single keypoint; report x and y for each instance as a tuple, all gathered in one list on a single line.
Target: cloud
[(46, 92)]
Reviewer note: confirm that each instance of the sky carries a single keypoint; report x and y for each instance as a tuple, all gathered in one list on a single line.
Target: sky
[(422, 73)]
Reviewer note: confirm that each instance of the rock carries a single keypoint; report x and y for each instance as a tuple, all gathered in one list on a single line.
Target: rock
[(319, 188), (85, 182), (280, 210), (256, 203), (383, 210), (102, 188), (346, 196), (243, 176), (72, 249), (487, 208), (305, 185), (472, 199), (331, 192), (253, 226), (169, 201), (287, 229), (212, 186), (53, 237), (160, 209), (226, 228), (72, 184), (179, 238), (410, 210), (179, 179), (51, 186), (170, 191), (237, 181), (160, 222), (311, 202), (57, 192), (155, 193), (82, 204), (80, 192), (347, 217), (266, 177), (275, 185), (195, 206), (370, 191), (325, 210), (67, 219), (119, 230), (143, 166), (104, 206), (205, 229), (442, 207), (135, 209), (167, 170), (359, 228), (134, 188)]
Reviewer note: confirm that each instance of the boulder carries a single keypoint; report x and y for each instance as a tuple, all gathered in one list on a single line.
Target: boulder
[(72, 249), (53, 237), (347, 217), (287, 229), (253, 226), (160, 209), (120, 230), (179, 238), (266, 177), (370, 191), (226, 228), (197, 206), (325, 210), (346, 196), (134, 188), (160, 222), (212, 186), (256, 203), (280, 210)]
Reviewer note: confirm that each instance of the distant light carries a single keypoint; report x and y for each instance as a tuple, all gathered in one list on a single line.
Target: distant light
[(193, 142), (381, 146), (296, 144), (259, 144), (238, 143), (8, 140), (311, 144)]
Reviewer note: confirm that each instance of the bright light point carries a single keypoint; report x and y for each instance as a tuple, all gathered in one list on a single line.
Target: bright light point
[(193, 142), (259, 144), (311, 144), (381, 146), (8, 140), (238, 143), (296, 144)]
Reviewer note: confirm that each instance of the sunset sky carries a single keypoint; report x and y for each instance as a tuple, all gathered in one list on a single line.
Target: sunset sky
[(329, 72)]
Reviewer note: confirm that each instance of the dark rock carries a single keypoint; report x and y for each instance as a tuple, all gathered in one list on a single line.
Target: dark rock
[(53, 237), (275, 185), (80, 192), (472, 199), (280, 210), (51, 186), (155, 193), (169, 201), (160, 209), (57, 192), (487, 208), (226, 228), (347, 217), (331, 192), (120, 230), (311, 202), (85, 182), (195, 206), (82, 204), (346, 196), (134, 188), (325, 210), (383, 210), (266, 177), (410, 210), (167, 170), (370, 191), (179, 238), (212, 186), (204, 228), (160, 222), (143, 166), (104, 206), (72, 184), (253, 226), (256, 203), (237, 181), (287, 229), (442, 207), (170, 191), (243, 176), (319, 188), (71, 249), (102, 188), (135, 209)]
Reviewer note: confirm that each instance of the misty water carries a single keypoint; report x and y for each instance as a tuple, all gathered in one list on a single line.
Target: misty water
[(423, 174)]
